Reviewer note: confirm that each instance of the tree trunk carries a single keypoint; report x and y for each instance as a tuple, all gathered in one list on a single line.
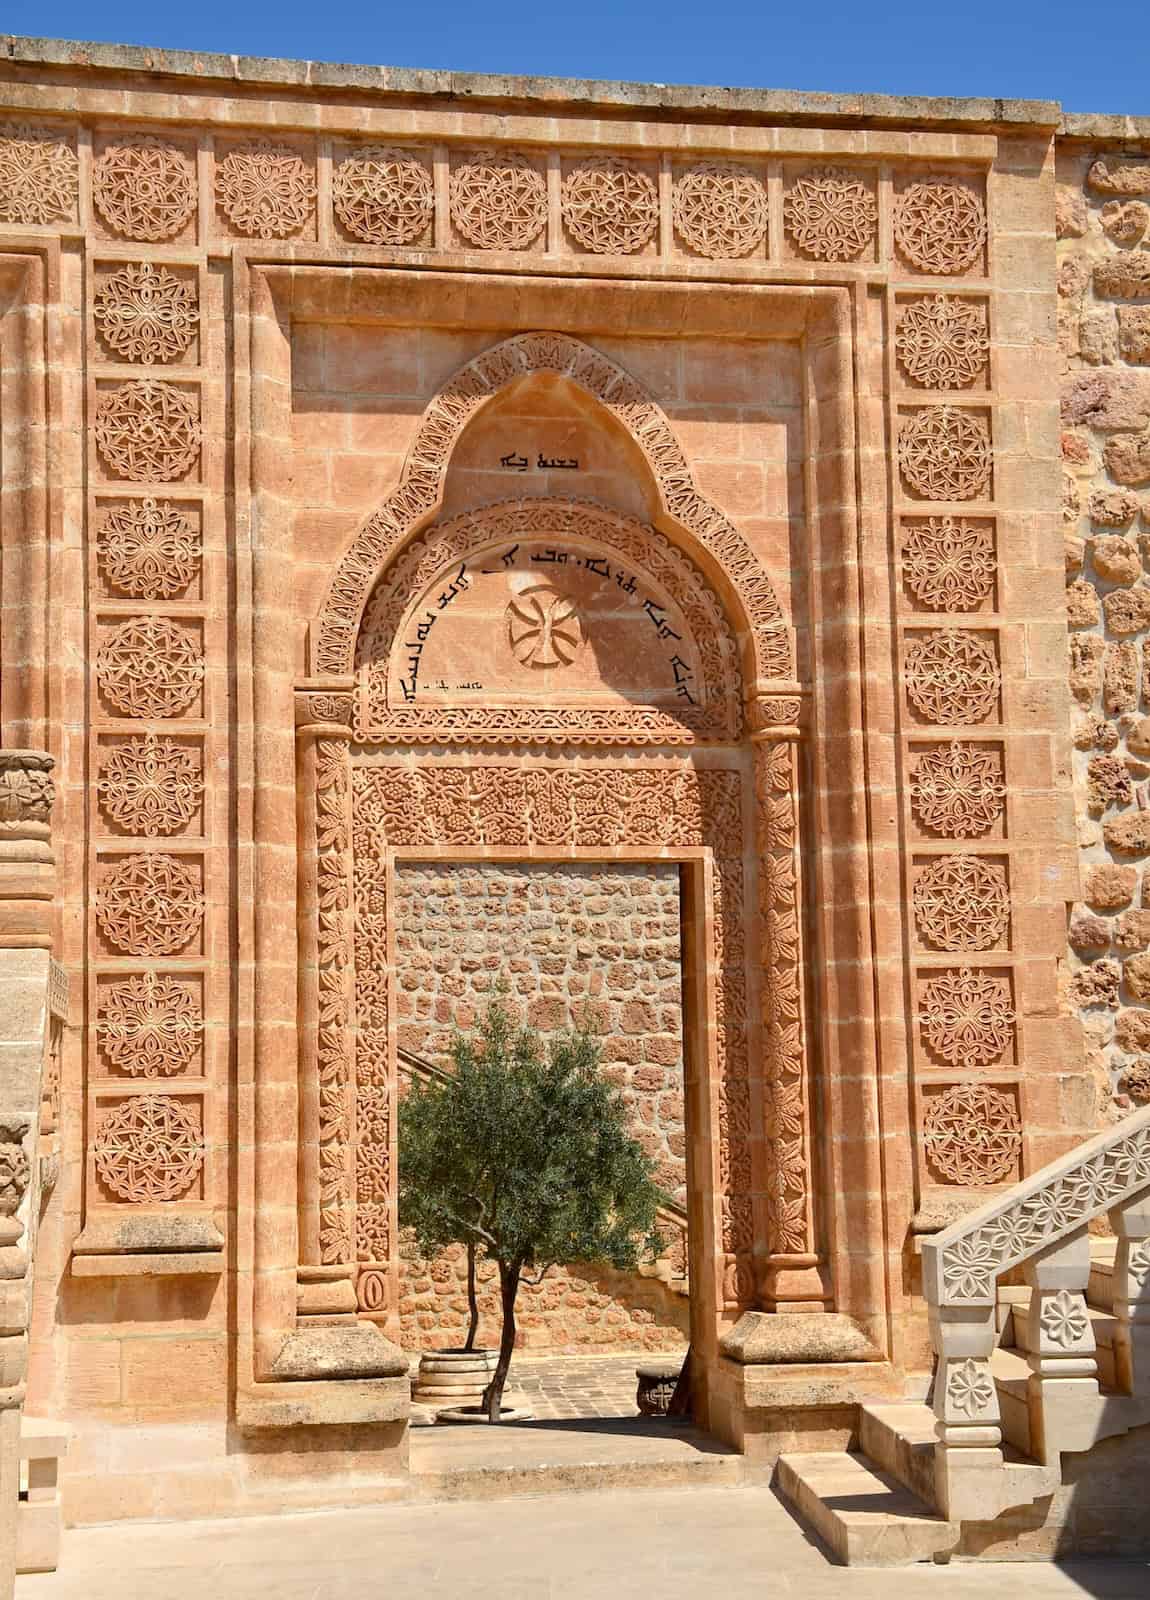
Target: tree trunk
[(508, 1292), (472, 1298)]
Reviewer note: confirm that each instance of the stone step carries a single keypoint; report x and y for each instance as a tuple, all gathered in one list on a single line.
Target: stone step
[(1100, 1290), (899, 1438), (1011, 1372), (1016, 1333), (865, 1516)]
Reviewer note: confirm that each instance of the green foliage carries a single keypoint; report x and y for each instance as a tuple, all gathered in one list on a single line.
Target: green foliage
[(526, 1152)]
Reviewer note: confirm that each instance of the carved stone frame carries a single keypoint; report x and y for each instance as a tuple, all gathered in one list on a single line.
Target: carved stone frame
[(276, 817)]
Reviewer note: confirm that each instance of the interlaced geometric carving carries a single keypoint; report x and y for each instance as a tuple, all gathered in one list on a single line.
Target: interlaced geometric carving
[(150, 905), (967, 1017), (720, 209), (150, 667), (147, 549), (150, 1025), (383, 195), (972, 1134), (943, 342), (148, 1149), (544, 628), (958, 790), (952, 676), (144, 188), (961, 903), (498, 200), (265, 189), (38, 175), (609, 206), (830, 215), (949, 563), (145, 313), (147, 431), (944, 453), (151, 785), (940, 226)]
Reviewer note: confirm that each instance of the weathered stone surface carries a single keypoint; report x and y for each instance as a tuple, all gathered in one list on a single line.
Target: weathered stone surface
[(1134, 333), (766, 1338), (1136, 976), (1124, 277), (1114, 175), (1128, 457), (1135, 1081), (1125, 221), (1132, 1028), (1132, 930), (1128, 834), (1109, 400), (1071, 499), (1082, 607), (1096, 984), (1098, 337), (1069, 212), (1120, 677), (1108, 783), (1107, 885), (337, 1352), (1127, 611), (1095, 733), (1138, 737), (1088, 932), (1076, 447), (1086, 653), (1114, 508)]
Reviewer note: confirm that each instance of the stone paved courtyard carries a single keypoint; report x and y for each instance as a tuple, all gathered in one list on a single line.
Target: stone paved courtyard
[(560, 1387), (740, 1544)]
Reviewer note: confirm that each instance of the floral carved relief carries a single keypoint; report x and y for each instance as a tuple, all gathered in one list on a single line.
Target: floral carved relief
[(144, 188), (952, 676), (15, 1165), (335, 1058), (150, 905), (147, 549), (151, 785), (265, 189), (609, 206), (27, 792), (38, 175), (150, 1026), (720, 210), (150, 667), (830, 215), (967, 1017), (962, 903), (943, 342), (949, 563), (972, 1135), (148, 1149), (147, 431), (1064, 1320), (958, 790), (383, 195), (944, 453), (498, 200), (146, 314), (940, 226), (969, 1389)]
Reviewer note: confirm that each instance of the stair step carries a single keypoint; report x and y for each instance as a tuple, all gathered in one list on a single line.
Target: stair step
[(1100, 1290), (1011, 1372), (899, 1438), (1016, 1333), (867, 1517)]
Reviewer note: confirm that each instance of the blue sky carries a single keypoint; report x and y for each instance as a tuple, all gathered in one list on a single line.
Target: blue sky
[(1090, 60)]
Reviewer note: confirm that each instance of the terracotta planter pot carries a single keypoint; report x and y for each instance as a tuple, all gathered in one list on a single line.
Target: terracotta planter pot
[(453, 1377)]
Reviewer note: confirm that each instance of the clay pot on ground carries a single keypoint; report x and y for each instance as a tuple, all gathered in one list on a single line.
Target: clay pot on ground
[(453, 1377)]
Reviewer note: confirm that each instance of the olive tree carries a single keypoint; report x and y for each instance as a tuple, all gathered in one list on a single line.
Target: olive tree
[(524, 1150)]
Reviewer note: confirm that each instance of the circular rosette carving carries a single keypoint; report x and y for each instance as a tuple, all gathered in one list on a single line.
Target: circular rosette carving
[(970, 1389), (150, 667), (609, 206), (967, 1017), (150, 1026), (148, 550), (943, 342), (144, 188), (147, 314), (498, 200), (949, 563), (720, 210), (830, 215), (150, 905), (265, 189), (962, 903), (38, 174), (958, 790), (953, 676), (944, 453), (544, 628), (148, 1149), (151, 785), (383, 196), (940, 226), (972, 1134), (147, 431)]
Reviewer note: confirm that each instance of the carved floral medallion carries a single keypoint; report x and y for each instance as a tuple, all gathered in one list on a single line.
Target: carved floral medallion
[(940, 226), (944, 453), (609, 206), (953, 676), (949, 562), (958, 791), (148, 1149), (149, 905), (38, 175), (150, 785), (265, 189), (146, 314), (150, 1026), (961, 902), (498, 200), (972, 1135), (144, 188), (967, 1017), (720, 209), (148, 431), (150, 667), (831, 215), (147, 549), (943, 342), (383, 195)]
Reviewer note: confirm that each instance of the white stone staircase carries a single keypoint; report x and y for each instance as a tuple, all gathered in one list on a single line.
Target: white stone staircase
[(1025, 1374)]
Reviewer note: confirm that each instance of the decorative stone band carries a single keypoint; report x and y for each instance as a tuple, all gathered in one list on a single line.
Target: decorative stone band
[(26, 788), (962, 1265), (420, 492)]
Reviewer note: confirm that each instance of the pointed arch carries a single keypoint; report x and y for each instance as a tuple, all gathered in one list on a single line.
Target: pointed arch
[(419, 494)]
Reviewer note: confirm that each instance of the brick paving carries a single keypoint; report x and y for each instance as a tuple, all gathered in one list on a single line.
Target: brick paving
[(561, 1387)]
